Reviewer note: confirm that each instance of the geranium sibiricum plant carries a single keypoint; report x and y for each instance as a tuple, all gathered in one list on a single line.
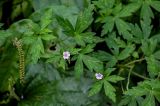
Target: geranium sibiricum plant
[(80, 53)]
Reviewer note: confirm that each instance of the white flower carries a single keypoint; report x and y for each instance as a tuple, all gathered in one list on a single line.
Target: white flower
[(66, 55), (99, 76)]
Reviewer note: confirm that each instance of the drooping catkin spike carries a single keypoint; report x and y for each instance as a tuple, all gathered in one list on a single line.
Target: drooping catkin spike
[(18, 45)]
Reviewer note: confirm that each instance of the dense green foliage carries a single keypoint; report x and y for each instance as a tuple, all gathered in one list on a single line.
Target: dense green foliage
[(117, 39)]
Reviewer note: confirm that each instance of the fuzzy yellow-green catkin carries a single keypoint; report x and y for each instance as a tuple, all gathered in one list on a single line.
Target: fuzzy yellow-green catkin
[(18, 45)]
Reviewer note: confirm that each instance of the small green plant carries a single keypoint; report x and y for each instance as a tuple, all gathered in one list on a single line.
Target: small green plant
[(81, 53)]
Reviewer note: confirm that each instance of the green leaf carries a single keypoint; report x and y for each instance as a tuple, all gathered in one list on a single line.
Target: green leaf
[(157, 55), (146, 29), (136, 92), (38, 4), (27, 40), (84, 19), (48, 37), (114, 78), (146, 13), (62, 64), (126, 52), (123, 29), (148, 46), (131, 101), (112, 44), (128, 100), (89, 37), (35, 50), (26, 8), (129, 9), (157, 95), (108, 26), (108, 71), (3, 36), (92, 63), (156, 5), (54, 57), (8, 68), (16, 11), (149, 101), (147, 89), (135, 54), (121, 43), (95, 88), (112, 62), (79, 40), (78, 68), (103, 4), (89, 48), (26, 27), (152, 66), (75, 50), (73, 92), (137, 33), (46, 18), (110, 91), (66, 25), (117, 9), (102, 55), (40, 85)]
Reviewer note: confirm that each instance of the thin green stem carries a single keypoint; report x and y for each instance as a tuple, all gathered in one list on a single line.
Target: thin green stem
[(158, 75), (141, 76), (135, 61), (129, 74), (122, 87), (128, 65)]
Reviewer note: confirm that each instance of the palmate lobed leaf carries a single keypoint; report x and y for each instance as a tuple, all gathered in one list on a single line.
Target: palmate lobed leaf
[(126, 52), (35, 50), (148, 46), (112, 44), (129, 9), (84, 19), (112, 62), (88, 49), (109, 91), (131, 101), (123, 29), (108, 88), (152, 66), (95, 88), (156, 5), (114, 78), (149, 100), (92, 63), (108, 26), (104, 4), (146, 29), (147, 89), (146, 12), (78, 68), (102, 55), (46, 19), (66, 25)]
